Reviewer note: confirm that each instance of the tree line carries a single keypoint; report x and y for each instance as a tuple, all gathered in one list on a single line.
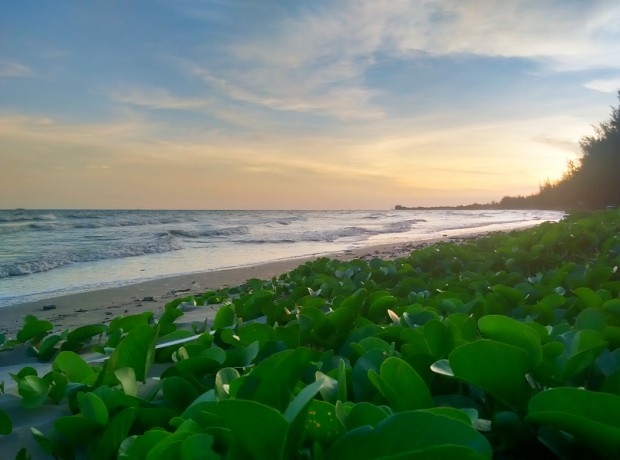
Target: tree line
[(590, 182)]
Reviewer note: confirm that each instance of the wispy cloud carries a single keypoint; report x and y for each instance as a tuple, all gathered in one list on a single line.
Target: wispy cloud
[(276, 91), (560, 35), (315, 59), (610, 85), (14, 69), (159, 99)]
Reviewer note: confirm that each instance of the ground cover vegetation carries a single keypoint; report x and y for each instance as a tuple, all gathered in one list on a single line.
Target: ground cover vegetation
[(504, 347)]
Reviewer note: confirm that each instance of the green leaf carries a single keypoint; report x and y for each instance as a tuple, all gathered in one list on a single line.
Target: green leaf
[(438, 338), (401, 385), (412, 434), (196, 366), (92, 407), (222, 381), (136, 350), (342, 381), (329, 391), (510, 293), (590, 298), (47, 346), (363, 414), (363, 389), (371, 343), (33, 328), (590, 416), (87, 332), (170, 446), (304, 397), (379, 307), (114, 433), (73, 366), (273, 380), (23, 454), (127, 377), (242, 357), (32, 389), (128, 323), (507, 330), (451, 412), (224, 317), (261, 429), (322, 425), (58, 384), (252, 307), (6, 424), (178, 392), (138, 447), (442, 367), (611, 384), (199, 445), (495, 367), (44, 442), (612, 307), (581, 349), (76, 429), (592, 319), (256, 332)]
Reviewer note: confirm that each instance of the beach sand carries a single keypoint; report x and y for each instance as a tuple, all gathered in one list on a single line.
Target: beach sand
[(101, 306)]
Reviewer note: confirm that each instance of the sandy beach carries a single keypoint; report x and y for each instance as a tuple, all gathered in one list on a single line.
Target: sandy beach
[(101, 306)]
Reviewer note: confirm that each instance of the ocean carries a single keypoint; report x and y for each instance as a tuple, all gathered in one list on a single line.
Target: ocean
[(56, 252)]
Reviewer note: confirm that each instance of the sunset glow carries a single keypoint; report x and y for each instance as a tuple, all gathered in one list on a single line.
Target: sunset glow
[(296, 105)]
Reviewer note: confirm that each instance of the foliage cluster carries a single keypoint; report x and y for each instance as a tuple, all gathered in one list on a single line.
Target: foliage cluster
[(505, 346)]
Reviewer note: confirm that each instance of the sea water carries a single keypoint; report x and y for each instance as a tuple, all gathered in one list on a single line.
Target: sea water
[(56, 252)]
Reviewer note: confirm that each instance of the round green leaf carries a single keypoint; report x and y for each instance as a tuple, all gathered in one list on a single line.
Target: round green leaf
[(73, 366), (590, 416), (261, 429), (513, 332), (322, 424), (497, 368), (408, 435), (592, 319), (401, 385), (224, 317), (363, 414)]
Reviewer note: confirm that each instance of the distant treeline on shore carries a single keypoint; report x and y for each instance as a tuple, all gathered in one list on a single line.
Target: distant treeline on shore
[(591, 182)]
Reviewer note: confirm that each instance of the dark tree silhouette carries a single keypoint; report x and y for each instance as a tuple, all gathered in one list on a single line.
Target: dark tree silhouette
[(591, 182)]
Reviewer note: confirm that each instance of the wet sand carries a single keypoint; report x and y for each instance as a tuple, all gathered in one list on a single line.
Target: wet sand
[(101, 306)]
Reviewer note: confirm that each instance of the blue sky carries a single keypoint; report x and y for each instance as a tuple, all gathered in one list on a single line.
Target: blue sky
[(281, 105)]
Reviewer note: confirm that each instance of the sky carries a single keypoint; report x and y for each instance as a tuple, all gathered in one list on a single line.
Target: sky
[(361, 104)]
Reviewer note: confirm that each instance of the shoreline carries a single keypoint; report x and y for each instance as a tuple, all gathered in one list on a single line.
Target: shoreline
[(102, 305)]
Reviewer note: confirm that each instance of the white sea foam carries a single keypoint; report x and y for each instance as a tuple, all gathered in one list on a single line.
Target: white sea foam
[(69, 251)]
